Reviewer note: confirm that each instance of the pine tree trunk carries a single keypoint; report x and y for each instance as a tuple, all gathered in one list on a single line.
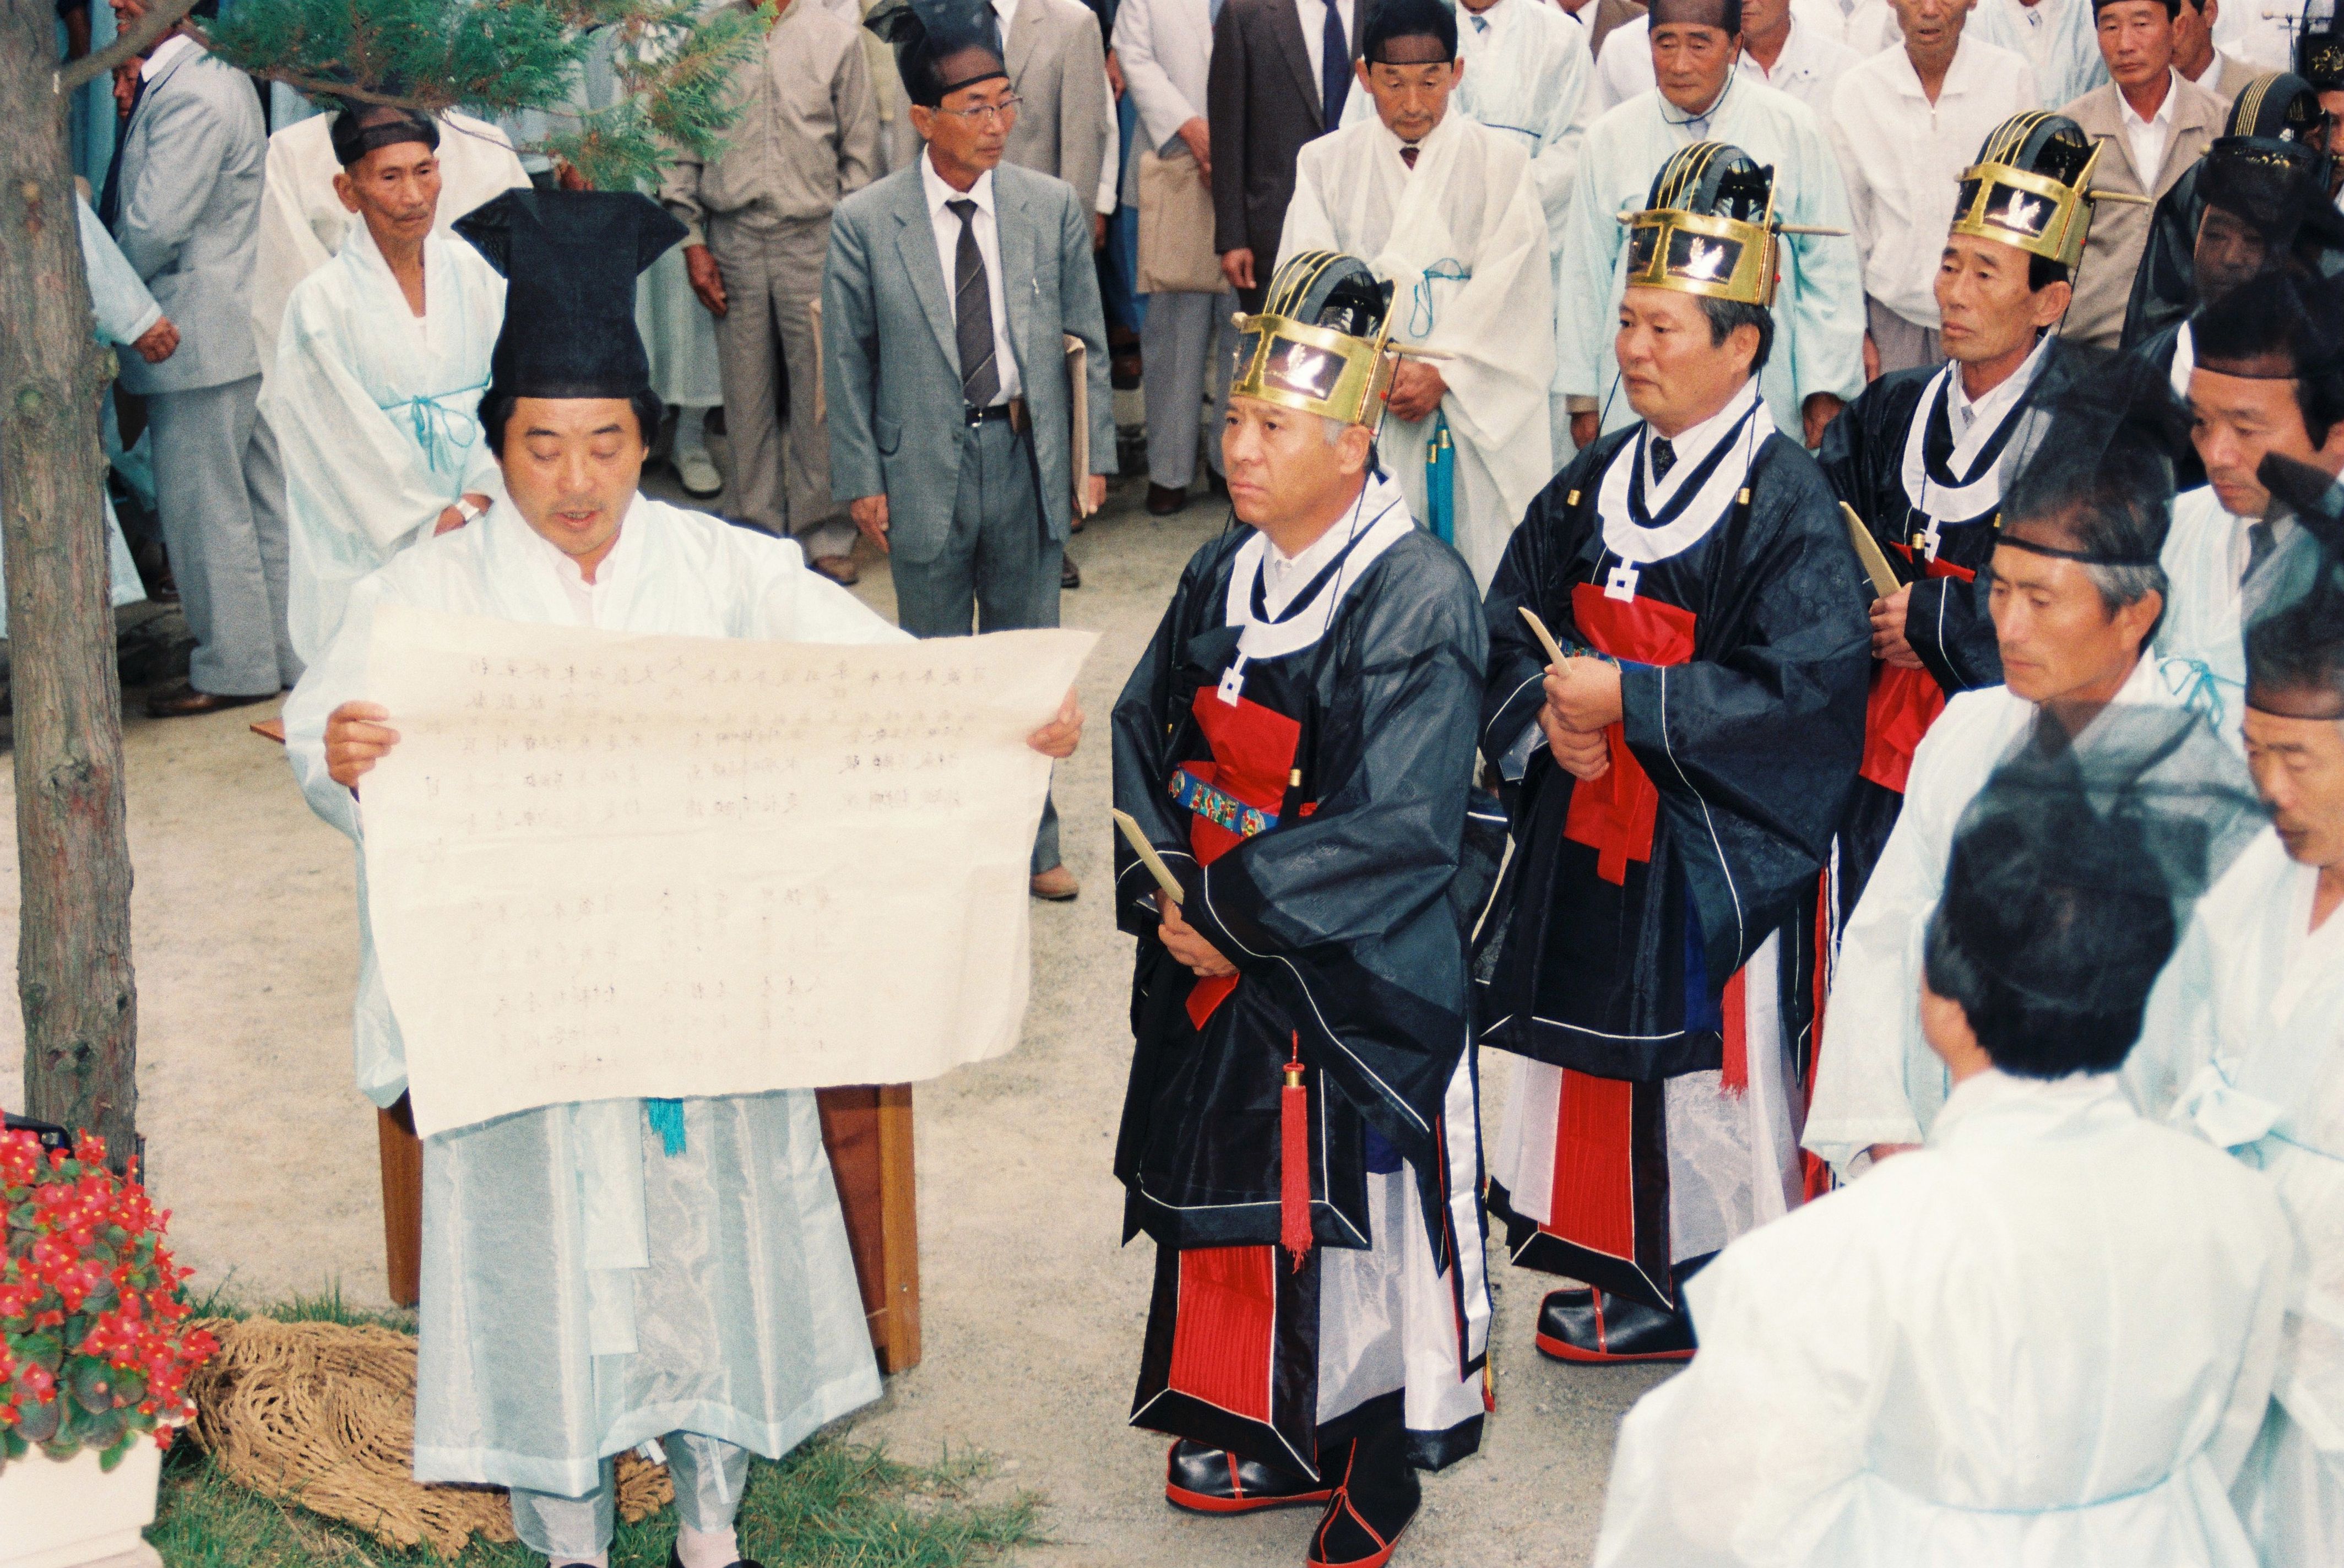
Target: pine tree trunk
[(73, 953)]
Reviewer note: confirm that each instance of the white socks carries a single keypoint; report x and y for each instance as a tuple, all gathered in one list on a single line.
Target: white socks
[(691, 435), (707, 1549)]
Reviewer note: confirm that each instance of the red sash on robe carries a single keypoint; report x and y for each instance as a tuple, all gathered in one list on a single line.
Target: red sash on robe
[(1614, 815), (1903, 705), (1253, 756)]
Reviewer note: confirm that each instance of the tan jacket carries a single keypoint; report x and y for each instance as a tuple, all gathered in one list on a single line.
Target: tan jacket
[(808, 133), (2120, 228)]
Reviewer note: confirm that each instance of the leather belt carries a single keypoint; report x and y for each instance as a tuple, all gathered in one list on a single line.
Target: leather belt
[(1014, 410)]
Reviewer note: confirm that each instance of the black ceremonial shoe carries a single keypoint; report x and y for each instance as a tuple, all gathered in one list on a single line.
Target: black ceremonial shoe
[(1215, 1480), (675, 1559), (1599, 1330), (1376, 1497)]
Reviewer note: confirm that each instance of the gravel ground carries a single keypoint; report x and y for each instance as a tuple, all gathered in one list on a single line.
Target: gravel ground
[(246, 946)]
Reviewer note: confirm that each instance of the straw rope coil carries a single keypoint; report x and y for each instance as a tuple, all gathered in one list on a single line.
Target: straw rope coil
[(323, 1415)]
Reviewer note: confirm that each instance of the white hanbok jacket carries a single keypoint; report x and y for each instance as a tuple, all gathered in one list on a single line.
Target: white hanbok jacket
[(2204, 628), (376, 412), (2262, 1052), (1463, 241), (583, 1291), (1819, 309), (2056, 36), (2046, 1338)]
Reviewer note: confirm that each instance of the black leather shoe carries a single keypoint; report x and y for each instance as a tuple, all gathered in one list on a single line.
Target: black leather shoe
[(1164, 499), (1376, 1497), (1069, 574), (1599, 1330), (1215, 1480)]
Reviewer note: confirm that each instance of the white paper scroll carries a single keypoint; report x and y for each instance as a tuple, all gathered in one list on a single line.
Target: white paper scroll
[(604, 866)]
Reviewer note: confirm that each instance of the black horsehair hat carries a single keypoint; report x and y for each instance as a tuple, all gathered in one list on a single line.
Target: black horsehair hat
[(570, 260)]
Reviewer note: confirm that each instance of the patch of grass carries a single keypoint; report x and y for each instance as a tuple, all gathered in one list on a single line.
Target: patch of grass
[(326, 1307), (826, 1505)]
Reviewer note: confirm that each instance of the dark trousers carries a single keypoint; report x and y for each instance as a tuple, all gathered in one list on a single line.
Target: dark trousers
[(999, 571)]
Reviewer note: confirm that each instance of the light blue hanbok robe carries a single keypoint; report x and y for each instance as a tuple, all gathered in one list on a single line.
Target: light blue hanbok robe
[(2264, 1047), (2062, 44), (375, 411), (1819, 311), (583, 1291), (124, 311)]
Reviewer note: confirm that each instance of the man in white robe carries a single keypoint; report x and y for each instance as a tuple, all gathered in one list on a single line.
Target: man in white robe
[(380, 367), (2048, 1337), (303, 222), (2262, 1050), (1817, 363), (2268, 376), (1528, 73), (1445, 210), (590, 1282), (1783, 45), (2056, 36), (2076, 590)]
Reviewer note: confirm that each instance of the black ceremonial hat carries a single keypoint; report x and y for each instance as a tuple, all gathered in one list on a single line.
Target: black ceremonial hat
[(2319, 55), (929, 35), (570, 260)]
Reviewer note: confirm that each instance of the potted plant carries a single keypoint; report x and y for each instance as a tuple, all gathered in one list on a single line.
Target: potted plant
[(95, 1355)]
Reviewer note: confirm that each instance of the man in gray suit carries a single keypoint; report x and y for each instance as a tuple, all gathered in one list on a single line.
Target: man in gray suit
[(183, 201), (1057, 68), (950, 291)]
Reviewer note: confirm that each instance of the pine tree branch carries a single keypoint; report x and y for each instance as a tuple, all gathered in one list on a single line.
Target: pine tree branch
[(134, 39)]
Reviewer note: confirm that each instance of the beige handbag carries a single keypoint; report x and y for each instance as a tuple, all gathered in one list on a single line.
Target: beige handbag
[(1176, 229)]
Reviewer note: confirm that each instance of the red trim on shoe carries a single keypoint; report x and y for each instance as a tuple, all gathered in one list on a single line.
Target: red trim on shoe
[(1343, 1501), (1562, 1350), (1202, 1503)]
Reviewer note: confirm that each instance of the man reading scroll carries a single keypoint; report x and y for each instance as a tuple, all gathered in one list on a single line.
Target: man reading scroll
[(597, 1274)]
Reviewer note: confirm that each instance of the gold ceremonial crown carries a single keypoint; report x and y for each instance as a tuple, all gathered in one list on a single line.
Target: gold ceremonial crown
[(2004, 200), (1687, 239), (1322, 342)]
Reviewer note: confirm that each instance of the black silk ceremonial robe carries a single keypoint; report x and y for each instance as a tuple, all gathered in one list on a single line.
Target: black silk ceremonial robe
[(1891, 456), (1633, 901), (1310, 792)]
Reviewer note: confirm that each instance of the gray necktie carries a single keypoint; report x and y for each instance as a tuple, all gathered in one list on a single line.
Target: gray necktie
[(2260, 538), (980, 379)]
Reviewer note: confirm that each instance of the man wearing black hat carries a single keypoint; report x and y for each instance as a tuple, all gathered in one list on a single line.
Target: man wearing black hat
[(2268, 378), (592, 1281), (949, 294), (1920, 458), (2319, 60), (1650, 956), (380, 367)]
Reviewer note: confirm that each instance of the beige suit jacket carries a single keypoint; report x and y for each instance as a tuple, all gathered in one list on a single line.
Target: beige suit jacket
[(1057, 66), (2120, 228)]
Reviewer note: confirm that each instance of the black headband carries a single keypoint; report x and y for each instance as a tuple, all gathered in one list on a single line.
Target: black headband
[(358, 131)]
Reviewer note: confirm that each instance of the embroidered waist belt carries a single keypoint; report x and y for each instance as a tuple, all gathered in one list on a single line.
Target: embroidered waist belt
[(1218, 806)]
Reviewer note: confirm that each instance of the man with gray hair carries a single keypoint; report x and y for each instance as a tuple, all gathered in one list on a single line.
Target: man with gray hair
[(2076, 592)]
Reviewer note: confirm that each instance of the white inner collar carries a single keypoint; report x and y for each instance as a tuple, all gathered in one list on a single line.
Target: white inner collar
[(1380, 521)]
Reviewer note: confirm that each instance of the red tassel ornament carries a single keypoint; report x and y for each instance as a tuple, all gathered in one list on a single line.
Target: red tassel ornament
[(1294, 1160)]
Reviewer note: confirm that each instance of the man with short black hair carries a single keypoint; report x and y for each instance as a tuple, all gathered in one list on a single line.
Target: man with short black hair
[(1444, 209), (2049, 1336), (1817, 357), (1786, 51), (381, 362), (2197, 58), (1679, 772), (2268, 380), (2151, 127)]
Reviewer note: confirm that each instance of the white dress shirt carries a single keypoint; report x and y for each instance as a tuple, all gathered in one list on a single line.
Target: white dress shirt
[(1312, 14), (988, 245), (1962, 414), (1808, 68), (2148, 138), (1904, 156)]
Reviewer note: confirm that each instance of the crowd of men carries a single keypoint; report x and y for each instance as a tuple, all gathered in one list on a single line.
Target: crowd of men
[(1851, 493)]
